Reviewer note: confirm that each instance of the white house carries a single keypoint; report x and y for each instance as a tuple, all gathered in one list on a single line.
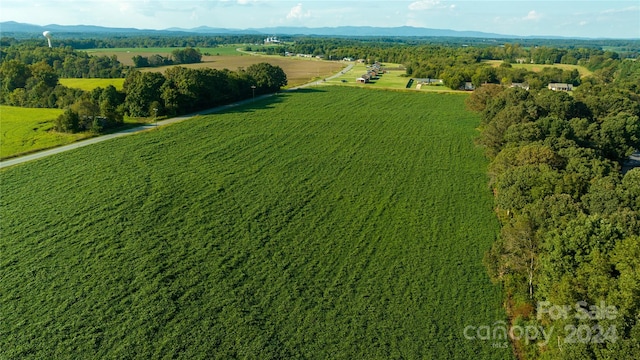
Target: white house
[(520, 85), (560, 87), (271, 40)]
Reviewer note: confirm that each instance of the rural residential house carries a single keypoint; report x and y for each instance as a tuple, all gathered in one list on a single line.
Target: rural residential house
[(364, 79), (560, 87), (520, 85)]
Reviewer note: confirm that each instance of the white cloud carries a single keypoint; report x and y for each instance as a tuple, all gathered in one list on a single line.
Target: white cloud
[(533, 15), (125, 7), (428, 5), (297, 12), (615, 11)]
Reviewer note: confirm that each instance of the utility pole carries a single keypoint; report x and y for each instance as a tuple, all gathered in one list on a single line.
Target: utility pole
[(155, 116)]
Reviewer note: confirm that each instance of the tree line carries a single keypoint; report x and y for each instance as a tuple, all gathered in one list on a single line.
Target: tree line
[(459, 64), (66, 62), (111, 40), (187, 55), (570, 219), (178, 91), (30, 74), (30, 79)]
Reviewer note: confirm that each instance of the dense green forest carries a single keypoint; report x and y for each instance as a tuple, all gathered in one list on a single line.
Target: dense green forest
[(30, 74), (568, 247)]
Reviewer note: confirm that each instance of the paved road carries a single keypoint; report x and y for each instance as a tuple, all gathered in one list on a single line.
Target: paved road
[(146, 127), (82, 143), (632, 162)]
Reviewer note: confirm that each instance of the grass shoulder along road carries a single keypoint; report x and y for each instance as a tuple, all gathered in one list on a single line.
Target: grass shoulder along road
[(27, 130)]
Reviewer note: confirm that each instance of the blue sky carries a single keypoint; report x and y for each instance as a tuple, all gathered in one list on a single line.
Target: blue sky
[(573, 18)]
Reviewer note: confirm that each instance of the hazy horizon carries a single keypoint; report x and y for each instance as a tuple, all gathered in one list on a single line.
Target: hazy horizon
[(569, 18)]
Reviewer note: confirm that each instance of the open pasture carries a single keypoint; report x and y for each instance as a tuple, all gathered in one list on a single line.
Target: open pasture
[(90, 84), (538, 67), (125, 54), (23, 130), (331, 223), (392, 79), (299, 71)]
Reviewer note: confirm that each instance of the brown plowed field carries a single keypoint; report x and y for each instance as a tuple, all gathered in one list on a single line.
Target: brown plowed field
[(299, 71)]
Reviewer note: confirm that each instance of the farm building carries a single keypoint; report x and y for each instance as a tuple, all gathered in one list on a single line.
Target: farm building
[(271, 40), (363, 79), (429, 81), (520, 85), (560, 87)]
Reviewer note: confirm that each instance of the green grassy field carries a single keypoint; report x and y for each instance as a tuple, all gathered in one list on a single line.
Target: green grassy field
[(393, 79), (124, 55), (331, 223), (90, 84), (538, 67), (24, 130)]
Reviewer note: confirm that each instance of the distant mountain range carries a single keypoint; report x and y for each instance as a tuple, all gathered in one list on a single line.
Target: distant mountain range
[(16, 27), (403, 31)]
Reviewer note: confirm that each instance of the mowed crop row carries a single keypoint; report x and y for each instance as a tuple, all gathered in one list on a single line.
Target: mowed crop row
[(335, 223)]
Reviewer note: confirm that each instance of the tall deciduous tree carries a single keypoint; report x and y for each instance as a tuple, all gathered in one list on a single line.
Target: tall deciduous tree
[(142, 89), (14, 75), (267, 77), (188, 55)]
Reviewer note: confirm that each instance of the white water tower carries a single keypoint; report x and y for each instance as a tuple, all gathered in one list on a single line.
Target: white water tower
[(47, 34)]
